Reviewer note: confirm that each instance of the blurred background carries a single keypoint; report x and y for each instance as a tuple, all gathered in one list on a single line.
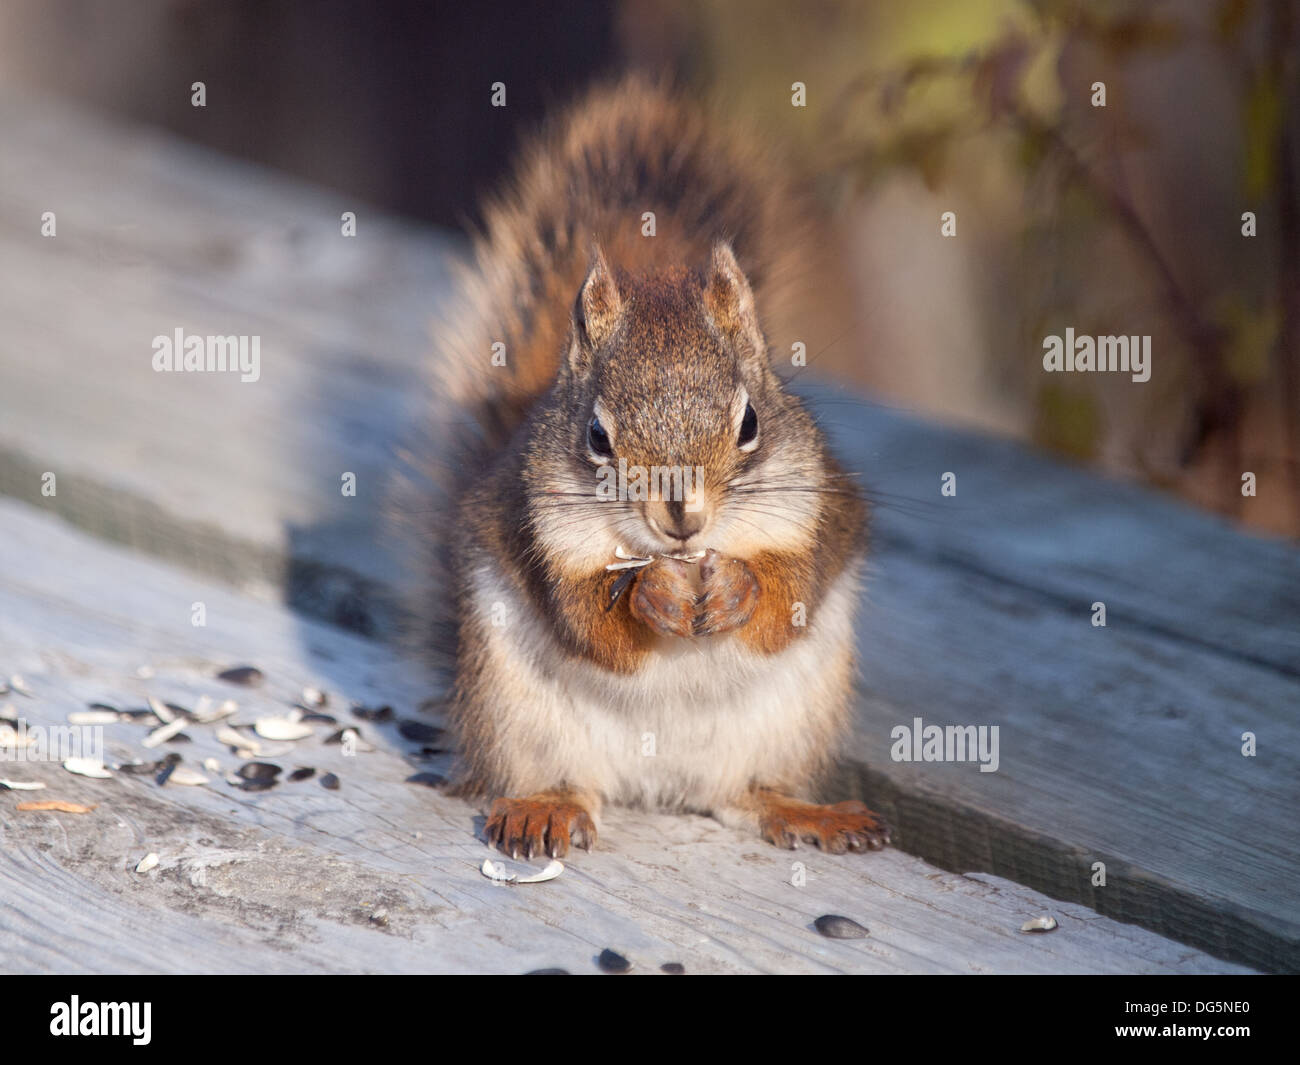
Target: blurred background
[(1125, 218)]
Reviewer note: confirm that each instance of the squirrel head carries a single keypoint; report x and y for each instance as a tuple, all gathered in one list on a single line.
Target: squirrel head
[(668, 411)]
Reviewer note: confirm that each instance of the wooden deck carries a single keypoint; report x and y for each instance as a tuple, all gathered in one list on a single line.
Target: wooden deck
[(1118, 744)]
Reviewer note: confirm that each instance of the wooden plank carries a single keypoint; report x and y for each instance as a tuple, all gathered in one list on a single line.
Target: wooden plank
[(1120, 742), (1062, 533), (241, 480), (289, 880)]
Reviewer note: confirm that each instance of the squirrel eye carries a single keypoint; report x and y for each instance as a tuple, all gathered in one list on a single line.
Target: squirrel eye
[(598, 439), (748, 439)]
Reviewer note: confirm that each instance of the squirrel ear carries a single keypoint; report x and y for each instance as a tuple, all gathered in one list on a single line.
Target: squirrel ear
[(599, 305), (729, 299)]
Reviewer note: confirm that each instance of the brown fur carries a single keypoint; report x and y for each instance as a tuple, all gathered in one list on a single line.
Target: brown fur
[(662, 337)]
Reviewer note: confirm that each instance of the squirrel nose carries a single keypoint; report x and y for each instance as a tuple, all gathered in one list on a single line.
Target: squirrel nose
[(673, 520)]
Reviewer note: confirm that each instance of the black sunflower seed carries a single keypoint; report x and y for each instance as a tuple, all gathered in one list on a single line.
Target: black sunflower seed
[(257, 785), (432, 780), (247, 676), (548, 972), (676, 968), (104, 706), (833, 926), (166, 766), (305, 773), (258, 771), (611, 962), (329, 780), (319, 718), (140, 768), (376, 713), (418, 731)]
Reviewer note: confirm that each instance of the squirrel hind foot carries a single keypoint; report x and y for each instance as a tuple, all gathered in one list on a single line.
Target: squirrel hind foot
[(838, 829), (545, 823)]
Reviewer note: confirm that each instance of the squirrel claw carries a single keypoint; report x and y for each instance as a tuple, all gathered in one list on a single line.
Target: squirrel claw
[(540, 824), (837, 829)]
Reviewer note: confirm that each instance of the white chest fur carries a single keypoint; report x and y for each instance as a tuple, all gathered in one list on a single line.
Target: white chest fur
[(696, 726)]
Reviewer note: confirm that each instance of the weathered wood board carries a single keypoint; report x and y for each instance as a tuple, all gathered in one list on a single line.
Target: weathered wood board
[(293, 879), (1118, 744)]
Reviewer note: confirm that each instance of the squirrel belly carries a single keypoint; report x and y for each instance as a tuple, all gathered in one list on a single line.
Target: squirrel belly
[(695, 726), (685, 643)]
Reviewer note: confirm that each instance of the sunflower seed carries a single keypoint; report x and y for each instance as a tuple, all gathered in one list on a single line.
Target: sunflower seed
[(319, 719), (238, 740), (164, 733), (161, 710), (378, 713), (94, 717), (833, 926), (330, 781), (149, 861), (674, 968), (246, 676), (611, 962), (189, 777), (418, 731), (139, 768), (1040, 924), (258, 771), (341, 736), (104, 706), (166, 768), (256, 785), (314, 698), (305, 773), (21, 785), (552, 870), (547, 972), (87, 767), (496, 871), (281, 728), (429, 780)]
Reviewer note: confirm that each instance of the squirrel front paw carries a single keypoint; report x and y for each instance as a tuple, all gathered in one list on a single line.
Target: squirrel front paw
[(730, 594), (540, 824), (664, 598)]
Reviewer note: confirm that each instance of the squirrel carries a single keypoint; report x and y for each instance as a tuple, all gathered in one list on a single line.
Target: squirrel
[(685, 646)]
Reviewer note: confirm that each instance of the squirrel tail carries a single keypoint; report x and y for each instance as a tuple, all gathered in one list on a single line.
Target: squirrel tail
[(639, 169)]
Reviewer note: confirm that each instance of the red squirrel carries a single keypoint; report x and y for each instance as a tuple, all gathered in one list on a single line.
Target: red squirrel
[(680, 640)]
